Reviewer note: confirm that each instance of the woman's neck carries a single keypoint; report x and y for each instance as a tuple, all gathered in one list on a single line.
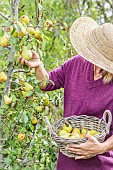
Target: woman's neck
[(97, 72)]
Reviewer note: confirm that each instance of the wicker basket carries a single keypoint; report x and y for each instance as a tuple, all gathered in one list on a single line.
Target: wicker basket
[(88, 122)]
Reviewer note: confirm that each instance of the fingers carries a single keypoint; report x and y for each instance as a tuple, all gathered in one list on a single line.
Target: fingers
[(34, 54), (91, 138), (83, 157), (22, 60)]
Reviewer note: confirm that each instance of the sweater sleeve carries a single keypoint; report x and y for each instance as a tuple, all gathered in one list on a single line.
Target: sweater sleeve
[(59, 75)]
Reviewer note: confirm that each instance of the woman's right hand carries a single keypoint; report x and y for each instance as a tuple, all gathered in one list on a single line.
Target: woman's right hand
[(34, 62)]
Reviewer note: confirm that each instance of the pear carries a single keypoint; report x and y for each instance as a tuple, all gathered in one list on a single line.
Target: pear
[(34, 121), (3, 77), (38, 35), (15, 34), (67, 128), (21, 136), (26, 53), (93, 132), (82, 135), (4, 40), (63, 134), (84, 131), (24, 93), (49, 24), (75, 136), (7, 100), (28, 87), (24, 19), (46, 102), (39, 109), (31, 30), (22, 32), (76, 130)]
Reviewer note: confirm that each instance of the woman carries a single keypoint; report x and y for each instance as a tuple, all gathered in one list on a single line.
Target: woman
[(87, 80)]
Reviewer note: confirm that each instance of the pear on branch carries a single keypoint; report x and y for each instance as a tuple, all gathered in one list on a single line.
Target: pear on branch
[(24, 19), (4, 40), (48, 24), (15, 32), (28, 87), (7, 99), (34, 121), (3, 77), (31, 30), (38, 35), (21, 136), (22, 31), (26, 53)]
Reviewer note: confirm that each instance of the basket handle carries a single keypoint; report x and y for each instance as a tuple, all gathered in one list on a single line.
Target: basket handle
[(50, 127), (105, 114)]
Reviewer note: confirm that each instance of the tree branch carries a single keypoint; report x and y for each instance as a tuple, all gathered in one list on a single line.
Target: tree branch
[(21, 70), (15, 9), (30, 145), (5, 17)]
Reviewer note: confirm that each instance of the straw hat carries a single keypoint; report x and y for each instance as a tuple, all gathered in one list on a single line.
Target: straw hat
[(93, 42)]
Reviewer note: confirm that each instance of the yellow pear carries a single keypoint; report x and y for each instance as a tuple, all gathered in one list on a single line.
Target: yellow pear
[(24, 93), (26, 53), (21, 136), (76, 130), (93, 132), (22, 31), (34, 121), (7, 100), (28, 87), (82, 135), (67, 127), (63, 134), (3, 77), (49, 24), (84, 131), (31, 30), (4, 40), (15, 34), (24, 19), (39, 109), (75, 136), (38, 35)]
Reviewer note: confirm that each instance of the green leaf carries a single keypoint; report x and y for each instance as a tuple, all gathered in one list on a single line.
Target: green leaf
[(1, 31), (7, 161)]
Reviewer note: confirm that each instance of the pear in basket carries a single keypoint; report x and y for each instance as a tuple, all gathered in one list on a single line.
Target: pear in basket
[(76, 130), (74, 136), (93, 132), (62, 133), (67, 127)]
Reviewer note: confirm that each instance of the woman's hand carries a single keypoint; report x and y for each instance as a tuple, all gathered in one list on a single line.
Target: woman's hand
[(34, 62), (90, 148)]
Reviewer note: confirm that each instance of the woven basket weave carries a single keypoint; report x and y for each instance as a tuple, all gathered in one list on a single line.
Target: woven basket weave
[(88, 122)]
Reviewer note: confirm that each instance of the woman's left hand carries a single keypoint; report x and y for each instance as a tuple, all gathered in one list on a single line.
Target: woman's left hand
[(90, 148)]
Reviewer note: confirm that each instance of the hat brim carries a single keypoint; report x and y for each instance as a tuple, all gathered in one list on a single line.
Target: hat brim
[(80, 35)]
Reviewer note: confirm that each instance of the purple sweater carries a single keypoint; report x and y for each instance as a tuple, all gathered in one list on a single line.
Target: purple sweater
[(83, 95)]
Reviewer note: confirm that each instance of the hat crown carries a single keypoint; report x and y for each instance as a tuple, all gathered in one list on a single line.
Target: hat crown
[(101, 38), (93, 42)]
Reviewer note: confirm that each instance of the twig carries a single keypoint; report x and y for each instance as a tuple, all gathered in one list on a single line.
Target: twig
[(21, 8), (21, 70), (5, 17), (37, 11), (30, 145)]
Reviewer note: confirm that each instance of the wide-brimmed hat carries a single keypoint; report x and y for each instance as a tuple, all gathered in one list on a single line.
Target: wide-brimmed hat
[(94, 42)]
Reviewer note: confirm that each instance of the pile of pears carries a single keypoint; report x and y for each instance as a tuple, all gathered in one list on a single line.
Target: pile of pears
[(66, 131)]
